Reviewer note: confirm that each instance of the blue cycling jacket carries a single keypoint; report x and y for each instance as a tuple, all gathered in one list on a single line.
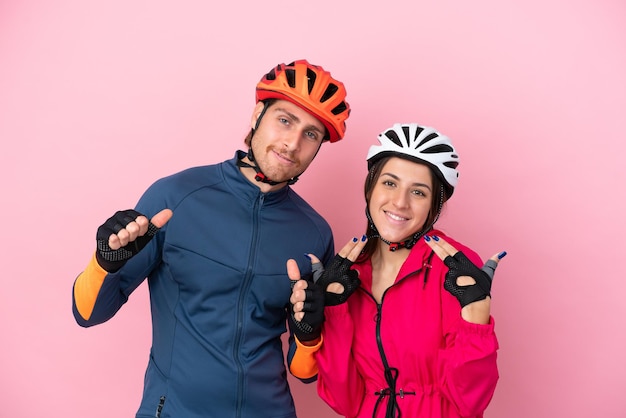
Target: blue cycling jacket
[(219, 292)]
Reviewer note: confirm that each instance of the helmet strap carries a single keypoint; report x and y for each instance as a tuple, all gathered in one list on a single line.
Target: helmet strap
[(260, 176)]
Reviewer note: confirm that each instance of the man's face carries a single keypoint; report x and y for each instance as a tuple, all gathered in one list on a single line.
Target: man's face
[(286, 140)]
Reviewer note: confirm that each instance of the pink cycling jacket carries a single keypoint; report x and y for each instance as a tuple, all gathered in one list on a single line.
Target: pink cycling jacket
[(440, 365)]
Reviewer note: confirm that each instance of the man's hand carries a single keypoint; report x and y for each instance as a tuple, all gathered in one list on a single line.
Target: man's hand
[(306, 314), (125, 234)]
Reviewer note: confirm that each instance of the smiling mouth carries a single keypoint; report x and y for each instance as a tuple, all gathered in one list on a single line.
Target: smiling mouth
[(283, 158), (395, 217)]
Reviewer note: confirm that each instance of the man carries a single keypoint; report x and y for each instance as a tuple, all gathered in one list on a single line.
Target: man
[(214, 254)]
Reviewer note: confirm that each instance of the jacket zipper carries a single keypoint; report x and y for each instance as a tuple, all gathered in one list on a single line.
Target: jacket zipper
[(258, 204), (391, 373)]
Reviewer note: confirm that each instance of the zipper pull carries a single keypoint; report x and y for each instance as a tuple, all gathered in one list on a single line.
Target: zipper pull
[(160, 407)]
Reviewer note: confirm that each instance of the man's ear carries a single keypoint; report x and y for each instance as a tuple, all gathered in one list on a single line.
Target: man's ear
[(256, 113)]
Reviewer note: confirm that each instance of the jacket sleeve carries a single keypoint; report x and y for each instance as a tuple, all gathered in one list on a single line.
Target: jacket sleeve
[(87, 287), (467, 365), (344, 392), (98, 295), (301, 360)]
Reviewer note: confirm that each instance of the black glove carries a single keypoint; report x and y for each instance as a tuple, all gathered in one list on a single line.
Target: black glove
[(338, 271), (309, 328), (460, 265), (113, 260)]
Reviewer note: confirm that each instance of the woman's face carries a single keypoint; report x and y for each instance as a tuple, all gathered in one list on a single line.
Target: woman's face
[(401, 199)]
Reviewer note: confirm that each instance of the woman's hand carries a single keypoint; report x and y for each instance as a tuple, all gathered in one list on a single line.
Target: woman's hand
[(467, 282), (338, 280)]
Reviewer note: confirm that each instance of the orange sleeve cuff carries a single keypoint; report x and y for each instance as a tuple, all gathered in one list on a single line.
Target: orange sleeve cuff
[(303, 364), (87, 286)]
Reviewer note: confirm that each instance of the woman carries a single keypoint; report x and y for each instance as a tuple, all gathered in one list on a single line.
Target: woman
[(416, 338)]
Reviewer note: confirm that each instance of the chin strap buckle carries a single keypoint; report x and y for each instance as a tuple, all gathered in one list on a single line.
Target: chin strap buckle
[(393, 246)]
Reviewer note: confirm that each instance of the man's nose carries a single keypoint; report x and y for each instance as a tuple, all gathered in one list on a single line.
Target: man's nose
[(292, 139)]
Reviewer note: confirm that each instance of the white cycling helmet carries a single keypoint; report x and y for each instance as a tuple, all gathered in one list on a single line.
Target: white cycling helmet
[(421, 144)]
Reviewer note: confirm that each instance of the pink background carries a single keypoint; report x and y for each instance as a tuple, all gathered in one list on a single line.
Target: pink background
[(98, 99)]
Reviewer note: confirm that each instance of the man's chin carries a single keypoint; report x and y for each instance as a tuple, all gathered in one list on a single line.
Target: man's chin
[(281, 179), (280, 176)]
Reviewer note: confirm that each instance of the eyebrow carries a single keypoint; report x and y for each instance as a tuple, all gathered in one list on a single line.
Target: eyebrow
[(297, 119), (393, 176)]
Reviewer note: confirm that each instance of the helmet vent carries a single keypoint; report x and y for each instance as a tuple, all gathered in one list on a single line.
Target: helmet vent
[(430, 138), (418, 131), (291, 78), (340, 108), (330, 91), (271, 75), (405, 130), (311, 76), (437, 149), (393, 137)]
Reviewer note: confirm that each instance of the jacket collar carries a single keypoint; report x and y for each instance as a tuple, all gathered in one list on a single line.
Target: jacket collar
[(244, 188)]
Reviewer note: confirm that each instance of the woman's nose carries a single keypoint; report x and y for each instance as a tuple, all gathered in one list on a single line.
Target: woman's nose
[(400, 199)]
